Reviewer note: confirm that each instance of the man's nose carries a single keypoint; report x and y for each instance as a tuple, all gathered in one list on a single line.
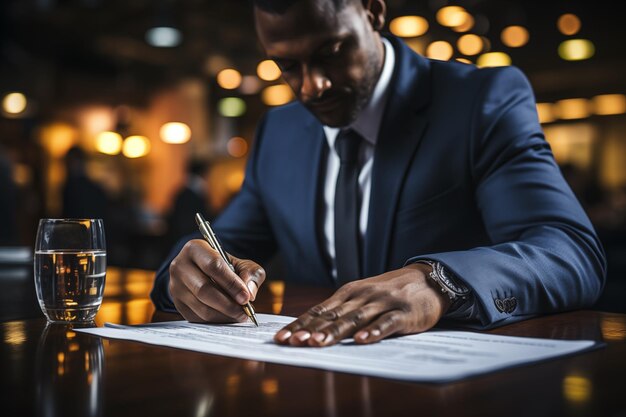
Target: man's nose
[(314, 83)]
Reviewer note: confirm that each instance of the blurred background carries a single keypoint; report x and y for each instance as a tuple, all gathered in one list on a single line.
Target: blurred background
[(142, 112)]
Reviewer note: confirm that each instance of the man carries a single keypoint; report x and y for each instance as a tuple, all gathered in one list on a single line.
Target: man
[(190, 199), (457, 209)]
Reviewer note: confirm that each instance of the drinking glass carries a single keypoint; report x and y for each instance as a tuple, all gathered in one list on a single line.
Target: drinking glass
[(70, 268)]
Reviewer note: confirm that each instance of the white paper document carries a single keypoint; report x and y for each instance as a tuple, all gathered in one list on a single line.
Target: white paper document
[(434, 356)]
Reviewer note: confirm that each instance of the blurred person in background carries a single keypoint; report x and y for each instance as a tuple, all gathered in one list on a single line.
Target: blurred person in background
[(82, 197), (190, 199), (8, 196)]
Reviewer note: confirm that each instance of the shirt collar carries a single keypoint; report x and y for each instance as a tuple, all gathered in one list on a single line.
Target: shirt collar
[(367, 124)]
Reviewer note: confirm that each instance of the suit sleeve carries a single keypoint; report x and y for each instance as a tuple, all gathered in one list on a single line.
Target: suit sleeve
[(545, 256), (243, 228)]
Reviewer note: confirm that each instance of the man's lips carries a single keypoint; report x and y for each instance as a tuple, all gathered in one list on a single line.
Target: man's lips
[(325, 104)]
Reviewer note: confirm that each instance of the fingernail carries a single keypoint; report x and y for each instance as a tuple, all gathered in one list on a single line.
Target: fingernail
[(362, 335), (252, 288), (375, 332), (329, 339), (302, 336), (283, 335), (242, 298), (318, 337)]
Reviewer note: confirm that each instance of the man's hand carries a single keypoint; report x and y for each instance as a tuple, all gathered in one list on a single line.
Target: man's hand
[(403, 301), (204, 289)]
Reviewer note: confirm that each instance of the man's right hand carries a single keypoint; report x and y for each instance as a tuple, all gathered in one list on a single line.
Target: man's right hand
[(204, 289)]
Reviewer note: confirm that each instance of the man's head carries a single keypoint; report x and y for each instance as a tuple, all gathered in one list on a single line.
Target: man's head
[(329, 51)]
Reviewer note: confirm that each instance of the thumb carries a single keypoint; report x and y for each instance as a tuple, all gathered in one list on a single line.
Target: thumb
[(251, 273)]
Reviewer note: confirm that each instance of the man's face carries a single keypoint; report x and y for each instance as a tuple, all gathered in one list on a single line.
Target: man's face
[(331, 58)]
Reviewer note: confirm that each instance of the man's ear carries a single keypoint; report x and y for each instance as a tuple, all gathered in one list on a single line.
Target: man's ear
[(375, 10)]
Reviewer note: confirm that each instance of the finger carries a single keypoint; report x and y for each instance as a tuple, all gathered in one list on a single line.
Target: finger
[(386, 325), (346, 325), (186, 312), (188, 278), (206, 313), (212, 265), (252, 274), (318, 321), (292, 333), (190, 285)]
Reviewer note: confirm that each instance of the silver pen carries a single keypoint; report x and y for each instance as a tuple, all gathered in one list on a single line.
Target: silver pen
[(209, 236)]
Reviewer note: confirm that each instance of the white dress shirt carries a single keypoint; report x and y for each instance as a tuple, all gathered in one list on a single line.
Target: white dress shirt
[(367, 125)]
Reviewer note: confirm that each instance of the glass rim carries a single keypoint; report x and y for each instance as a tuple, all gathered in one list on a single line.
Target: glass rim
[(70, 219)]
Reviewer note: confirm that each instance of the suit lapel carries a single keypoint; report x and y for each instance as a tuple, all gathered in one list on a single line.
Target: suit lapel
[(401, 131)]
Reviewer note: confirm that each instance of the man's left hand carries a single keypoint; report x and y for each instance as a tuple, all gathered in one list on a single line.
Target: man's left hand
[(403, 301)]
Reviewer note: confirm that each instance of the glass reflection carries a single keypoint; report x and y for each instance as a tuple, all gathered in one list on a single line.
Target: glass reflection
[(69, 372)]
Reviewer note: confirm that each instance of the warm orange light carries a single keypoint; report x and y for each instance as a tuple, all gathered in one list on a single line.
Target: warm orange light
[(470, 44), (268, 70), (493, 59), (58, 138), (514, 36), (237, 147), (234, 180), (229, 79), (277, 95), (467, 25), (14, 103), (440, 50), (408, 26), (608, 104), (464, 60), (568, 24), (109, 143), (175, 133), (573, 108), (577, 388), (136, 146), (452, 16), (576, 49)]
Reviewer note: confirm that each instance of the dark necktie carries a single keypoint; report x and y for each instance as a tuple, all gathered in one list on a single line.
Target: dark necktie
[(347, 237)]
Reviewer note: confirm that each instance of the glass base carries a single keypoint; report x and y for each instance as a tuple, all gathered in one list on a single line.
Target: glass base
[(71, 315)]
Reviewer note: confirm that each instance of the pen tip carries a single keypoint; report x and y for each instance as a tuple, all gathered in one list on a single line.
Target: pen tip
[(253, 318)]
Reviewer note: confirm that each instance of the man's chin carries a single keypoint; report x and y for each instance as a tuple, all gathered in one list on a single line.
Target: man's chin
[(333, 118)]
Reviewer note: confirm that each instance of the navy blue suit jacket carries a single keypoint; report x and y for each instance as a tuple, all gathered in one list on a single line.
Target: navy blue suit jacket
[(462, 174)]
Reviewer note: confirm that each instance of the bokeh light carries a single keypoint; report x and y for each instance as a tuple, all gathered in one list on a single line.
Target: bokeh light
[(268, 70), (175, 132), (440, 50), (452, 16), (136, 146), (568, 24), (576, 49), (408, 26), (277, 95), (109, 143), (514, 36), (237, 147), (231, 107), (229, 79), (14, 103), (607, 104), (470, 44), (493, 59)]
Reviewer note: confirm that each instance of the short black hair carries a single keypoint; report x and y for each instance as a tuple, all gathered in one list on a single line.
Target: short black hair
[(281, 6)]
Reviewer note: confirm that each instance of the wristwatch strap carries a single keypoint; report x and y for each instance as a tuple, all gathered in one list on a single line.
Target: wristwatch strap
[(446, 281)]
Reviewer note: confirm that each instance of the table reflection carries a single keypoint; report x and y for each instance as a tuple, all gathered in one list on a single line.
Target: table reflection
[(69, 372)]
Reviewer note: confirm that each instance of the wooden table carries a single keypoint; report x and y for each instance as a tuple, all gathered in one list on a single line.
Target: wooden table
[(54, 371)]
